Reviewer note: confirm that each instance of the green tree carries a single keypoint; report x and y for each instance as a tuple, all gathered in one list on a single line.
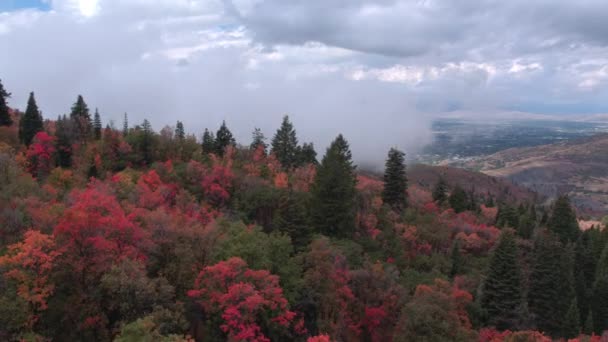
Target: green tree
[(125, 125), (285, 144), (223, 138), (458, 199), (502, 293), (585, 262), (81, 116), (572, 327), (456, 259), (65, 134), (292, 219), (599, 304), (394, 192), (333, 192), (208, 144), (5, 117), (507, 216), (97, 125), (180, 133), (440, 191), (563, 220), (31, 122), (307, 154), (258, 139)]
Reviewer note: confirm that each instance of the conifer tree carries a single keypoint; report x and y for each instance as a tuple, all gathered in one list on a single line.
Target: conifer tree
[(502, 294), (285, 144), (146, 146), (180, 132), (585, 262), (572, 327), (588, 325), (81, 116), (333, 192), (223, 138), (456, 259), (507, 216), (394, 192), (125, 126), (307, 154), (600, 294), (31, 122), (458, 199), (208, 142), (97, 125), (440, 191), (292, 219), (64, 133), (563, 220), (258, 139), (5, 116)]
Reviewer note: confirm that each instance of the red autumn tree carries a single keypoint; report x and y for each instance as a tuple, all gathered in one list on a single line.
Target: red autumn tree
[(248, 301), (217, 185), (29, 265), (40, 155)]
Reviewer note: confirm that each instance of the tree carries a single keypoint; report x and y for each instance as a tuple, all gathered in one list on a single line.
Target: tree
[(563, 220), (208, 144), (31, 122), (440, 191), (599, 304), (292, 219), (394, 192), (458, 199), (333, 192), (81, 116), (223, 139), (40, 155), (65, 136), (456, 259), (180, 133), (572, 326), (258, 139), (125, 125), (5, 116), (97, 125), (285, 144), (501, 296), (307, 154)]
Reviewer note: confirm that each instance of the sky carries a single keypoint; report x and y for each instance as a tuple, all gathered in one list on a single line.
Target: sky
[(377, 71)]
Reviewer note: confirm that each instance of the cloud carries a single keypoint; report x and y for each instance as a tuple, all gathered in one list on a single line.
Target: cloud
[(378, 71)]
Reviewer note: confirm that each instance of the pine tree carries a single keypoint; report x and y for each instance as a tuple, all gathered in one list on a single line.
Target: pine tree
[(307, 154), (258, 139), (125, 126), (585, 262), (81, 116), (65, 138), (208, 142), (31, 122), (563, 220), (440, 191), (285, 144), (458, 199), (456, 259), (180, 132), (292, 219), (394, 192), (572, 327), (97, 125), (5, 116), (223, 138), (333, 192), (599, 304), (146, 147), (507, 216), (502, 294), (588, 326)]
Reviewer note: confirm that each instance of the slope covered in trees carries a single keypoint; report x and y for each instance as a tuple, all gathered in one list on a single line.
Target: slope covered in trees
[(138, 235)]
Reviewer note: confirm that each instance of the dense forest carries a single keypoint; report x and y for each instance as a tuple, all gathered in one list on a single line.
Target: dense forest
[(127, 234)]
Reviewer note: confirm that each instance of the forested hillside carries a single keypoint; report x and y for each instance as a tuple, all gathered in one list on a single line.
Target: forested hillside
[(128, 234)]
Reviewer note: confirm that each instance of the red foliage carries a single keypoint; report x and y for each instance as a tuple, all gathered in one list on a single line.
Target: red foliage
[(476, 238), (281, 181), (303, 177), (319, 338), (40, 155), (456, 300), (153, 192), (492, 335), (217, 185), (29, 264), (241, 297)]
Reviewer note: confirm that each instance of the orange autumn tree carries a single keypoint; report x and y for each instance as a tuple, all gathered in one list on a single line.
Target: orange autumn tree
[(29, 264)]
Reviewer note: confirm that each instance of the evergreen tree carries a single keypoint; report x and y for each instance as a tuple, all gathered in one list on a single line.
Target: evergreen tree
[(307, 154), (585, 262), (258, 139), (563, 220), (489, 203), (125, 126), (572, 327), (223, 138), (588, 326), (146, 146), (180, 132), (292, 219), (208, 142), (65, 135), (333, 192), (394, 192), (502, 294), (31, 122), (5, 116), (97, 125), (507, 216), (440, 191), (456, 259), (599, 304), (81, 116), (458, 199), (285, 144)]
